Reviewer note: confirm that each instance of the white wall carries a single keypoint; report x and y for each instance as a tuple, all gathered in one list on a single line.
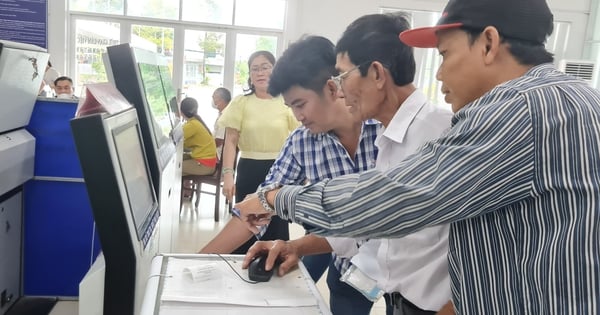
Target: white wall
[(57, 34), (330, 17)]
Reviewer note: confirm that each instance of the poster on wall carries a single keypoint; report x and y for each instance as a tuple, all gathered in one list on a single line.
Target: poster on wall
[(24, 21)]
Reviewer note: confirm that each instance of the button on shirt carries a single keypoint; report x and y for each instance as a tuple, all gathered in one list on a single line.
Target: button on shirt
[(415, 265), (518, 178)]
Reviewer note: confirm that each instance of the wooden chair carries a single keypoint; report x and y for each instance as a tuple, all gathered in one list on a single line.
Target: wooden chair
[(198, 180)]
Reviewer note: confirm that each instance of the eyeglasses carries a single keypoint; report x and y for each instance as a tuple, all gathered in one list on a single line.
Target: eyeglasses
[(261, 68), (340, 77)]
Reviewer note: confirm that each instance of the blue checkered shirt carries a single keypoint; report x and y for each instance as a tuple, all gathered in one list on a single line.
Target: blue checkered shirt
[(310, 158)]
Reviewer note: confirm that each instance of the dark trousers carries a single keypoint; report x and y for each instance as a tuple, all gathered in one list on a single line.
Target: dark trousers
[(249, 175), (316, 265), (344, 299), (396, 304)]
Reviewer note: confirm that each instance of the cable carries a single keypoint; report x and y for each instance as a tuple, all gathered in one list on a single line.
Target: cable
[(230, 266)]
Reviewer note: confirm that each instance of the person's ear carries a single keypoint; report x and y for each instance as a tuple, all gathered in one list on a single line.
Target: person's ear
[(330, 89), (378, 70), (491, 43)]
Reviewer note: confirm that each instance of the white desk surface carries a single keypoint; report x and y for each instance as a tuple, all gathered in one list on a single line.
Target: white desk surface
[(172, 291)]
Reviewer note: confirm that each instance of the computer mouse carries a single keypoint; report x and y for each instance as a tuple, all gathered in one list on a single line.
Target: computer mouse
[(256, 269)]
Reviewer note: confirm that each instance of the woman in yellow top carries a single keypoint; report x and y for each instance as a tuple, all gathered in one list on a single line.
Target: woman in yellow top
[(258, 124), (198, 141)]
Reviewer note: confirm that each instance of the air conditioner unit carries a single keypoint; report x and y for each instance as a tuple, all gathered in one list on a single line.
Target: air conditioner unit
[(583, 69)]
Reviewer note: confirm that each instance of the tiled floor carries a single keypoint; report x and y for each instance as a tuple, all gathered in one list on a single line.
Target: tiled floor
[(195, 229)]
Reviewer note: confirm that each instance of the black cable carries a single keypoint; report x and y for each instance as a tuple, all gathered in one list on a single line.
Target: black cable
[(230, 266)]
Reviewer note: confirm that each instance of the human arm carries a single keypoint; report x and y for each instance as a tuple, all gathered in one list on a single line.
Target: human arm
[(483, 164), (229, 152), (447, 309), (233, 235)]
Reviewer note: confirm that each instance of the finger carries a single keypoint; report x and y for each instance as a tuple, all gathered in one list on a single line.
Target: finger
[(283, 270), (273, 255), (254, 222), (254, 251), (254, 229), (288, 264), (250, 254)]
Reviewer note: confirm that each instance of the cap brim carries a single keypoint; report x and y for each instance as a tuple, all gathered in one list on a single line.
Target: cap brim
[(425, 37)]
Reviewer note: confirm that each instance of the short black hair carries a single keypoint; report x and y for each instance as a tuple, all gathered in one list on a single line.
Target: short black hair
[(374, 37), (525, 52), (308, 63), (63, 78), (224, 94)]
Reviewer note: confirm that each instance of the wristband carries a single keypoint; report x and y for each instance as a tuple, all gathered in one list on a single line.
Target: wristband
[(227, 170)]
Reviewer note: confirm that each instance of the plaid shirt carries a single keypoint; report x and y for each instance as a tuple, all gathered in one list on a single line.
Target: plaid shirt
[(310, 158)]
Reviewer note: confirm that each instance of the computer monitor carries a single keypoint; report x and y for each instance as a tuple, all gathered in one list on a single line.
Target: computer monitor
[(125, 207), (136, 75), (135, 173)]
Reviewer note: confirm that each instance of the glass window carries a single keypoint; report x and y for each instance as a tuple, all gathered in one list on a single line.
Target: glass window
[(159, 9), (557, 42), (153, 38), (208, 11), (92, 38), (245, 46), (97, 6), (260, 13), (204, 64)]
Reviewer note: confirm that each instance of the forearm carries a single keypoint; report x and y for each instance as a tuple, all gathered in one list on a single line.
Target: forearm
[(415, 194), (230, 148), (232, 236), (311, 245)]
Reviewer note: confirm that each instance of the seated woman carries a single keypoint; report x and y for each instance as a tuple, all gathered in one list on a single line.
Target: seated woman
[(201, 151)]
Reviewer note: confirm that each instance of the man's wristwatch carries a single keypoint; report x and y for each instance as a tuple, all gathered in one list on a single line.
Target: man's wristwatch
[(261, 194)]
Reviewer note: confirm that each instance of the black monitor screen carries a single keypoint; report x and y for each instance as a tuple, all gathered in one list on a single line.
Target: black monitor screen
[(135, 175), (157, 102)]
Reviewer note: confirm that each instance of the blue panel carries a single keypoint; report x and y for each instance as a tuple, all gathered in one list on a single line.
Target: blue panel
[(59, 245), (55, 152)]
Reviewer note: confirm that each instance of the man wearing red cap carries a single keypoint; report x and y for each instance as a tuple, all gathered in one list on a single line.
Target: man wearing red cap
[(517, 176)]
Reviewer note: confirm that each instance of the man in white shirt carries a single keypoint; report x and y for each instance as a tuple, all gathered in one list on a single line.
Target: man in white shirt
[(220, 99), (376, 74)]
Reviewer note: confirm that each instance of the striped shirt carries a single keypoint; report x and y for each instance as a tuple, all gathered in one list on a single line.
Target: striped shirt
[(309, 158), (518, 178)]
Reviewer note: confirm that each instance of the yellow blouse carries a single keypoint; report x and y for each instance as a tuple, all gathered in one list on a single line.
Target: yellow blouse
[(198, 140), (263, 124)]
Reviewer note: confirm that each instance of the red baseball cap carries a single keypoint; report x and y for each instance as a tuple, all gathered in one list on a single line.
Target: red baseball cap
[(527, 20)]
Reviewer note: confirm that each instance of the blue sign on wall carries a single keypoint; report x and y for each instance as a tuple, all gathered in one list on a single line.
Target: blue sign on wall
[(24, 21)]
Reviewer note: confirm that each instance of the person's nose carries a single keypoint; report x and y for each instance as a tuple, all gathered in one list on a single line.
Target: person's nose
[(438, 74)]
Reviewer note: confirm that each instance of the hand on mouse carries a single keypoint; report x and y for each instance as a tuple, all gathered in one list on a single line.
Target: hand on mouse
[(285, 251)]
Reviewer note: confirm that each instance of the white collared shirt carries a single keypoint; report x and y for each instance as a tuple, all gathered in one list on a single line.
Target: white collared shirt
[(415, 265)]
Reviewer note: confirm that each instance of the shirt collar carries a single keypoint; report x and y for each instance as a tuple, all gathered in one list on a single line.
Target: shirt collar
[(396, 130)]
